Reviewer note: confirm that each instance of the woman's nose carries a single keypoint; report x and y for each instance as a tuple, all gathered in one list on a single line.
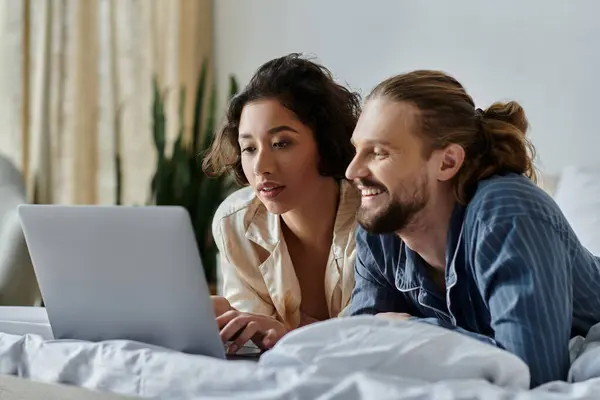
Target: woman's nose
[(264, 163)]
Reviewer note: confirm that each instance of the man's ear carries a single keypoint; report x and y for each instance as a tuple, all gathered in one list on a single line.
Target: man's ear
[(451, 160)]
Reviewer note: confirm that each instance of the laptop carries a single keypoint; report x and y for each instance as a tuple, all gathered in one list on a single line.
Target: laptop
[(122, 272)]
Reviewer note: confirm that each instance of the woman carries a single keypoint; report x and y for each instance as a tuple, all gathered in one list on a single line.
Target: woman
[(287, 239)]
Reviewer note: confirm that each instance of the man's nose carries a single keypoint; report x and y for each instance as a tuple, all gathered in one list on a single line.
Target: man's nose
[(357, 169)]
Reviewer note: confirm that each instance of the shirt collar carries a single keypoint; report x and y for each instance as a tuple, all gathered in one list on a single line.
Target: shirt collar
[(410, 273), (264, 228), (453, 241), (407, 271)]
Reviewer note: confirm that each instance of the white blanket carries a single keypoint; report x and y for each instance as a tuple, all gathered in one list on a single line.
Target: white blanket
[(347, 358)]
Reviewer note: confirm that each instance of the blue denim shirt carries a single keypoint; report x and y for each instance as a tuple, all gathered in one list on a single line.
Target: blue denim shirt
[(516, 276)]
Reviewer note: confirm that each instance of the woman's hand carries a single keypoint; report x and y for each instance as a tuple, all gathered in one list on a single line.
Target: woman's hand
[(221, 305), (240, 327)]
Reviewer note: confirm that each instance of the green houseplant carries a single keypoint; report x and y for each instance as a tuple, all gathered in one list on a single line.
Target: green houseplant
[(179, 179)]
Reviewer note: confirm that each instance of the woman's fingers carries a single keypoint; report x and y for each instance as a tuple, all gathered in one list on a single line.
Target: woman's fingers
[(269, 339), (239, 328), (249, 331), (233, 327), (227, 317)]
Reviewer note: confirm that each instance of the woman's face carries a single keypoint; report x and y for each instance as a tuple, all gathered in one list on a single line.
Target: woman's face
[(279, 155)]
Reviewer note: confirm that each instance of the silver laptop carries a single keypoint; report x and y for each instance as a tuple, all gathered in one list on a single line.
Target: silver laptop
[(120, 272)]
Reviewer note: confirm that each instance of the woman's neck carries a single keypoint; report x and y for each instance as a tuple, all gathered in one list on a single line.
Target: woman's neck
[(313, 223)]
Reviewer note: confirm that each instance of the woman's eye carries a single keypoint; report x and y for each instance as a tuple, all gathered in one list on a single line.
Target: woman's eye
[(281, 144), (248, 149)]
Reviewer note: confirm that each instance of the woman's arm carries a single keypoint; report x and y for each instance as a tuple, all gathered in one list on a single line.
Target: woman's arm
[(242, 313), (240, 280)]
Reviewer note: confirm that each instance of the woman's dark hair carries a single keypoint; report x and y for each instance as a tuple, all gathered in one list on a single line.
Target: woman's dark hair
[(495, 140), (309, 91)]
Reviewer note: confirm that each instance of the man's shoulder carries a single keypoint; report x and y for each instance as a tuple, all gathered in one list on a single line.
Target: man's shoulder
[(373, 239), (377, 245), (378, 255), (510, 196)]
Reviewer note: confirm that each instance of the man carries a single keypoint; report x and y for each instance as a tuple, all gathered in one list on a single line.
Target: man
[(454, 230)]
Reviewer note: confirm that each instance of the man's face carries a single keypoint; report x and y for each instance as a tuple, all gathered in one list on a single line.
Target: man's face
[(389, 167)]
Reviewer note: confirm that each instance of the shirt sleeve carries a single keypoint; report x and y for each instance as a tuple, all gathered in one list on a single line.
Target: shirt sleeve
[(372, 292), (443, 324), (521, 267), (238, 286)]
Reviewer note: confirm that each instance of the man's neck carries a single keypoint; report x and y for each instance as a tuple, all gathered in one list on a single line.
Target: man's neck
[(428, 233), (313, 223)]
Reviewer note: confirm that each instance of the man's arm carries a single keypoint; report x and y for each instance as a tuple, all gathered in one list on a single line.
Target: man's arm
[(521, 267), (373, 292), (374, 295), (443, 324)]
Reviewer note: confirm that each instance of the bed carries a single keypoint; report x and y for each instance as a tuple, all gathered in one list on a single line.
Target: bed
[(12, 388), (346, 358)]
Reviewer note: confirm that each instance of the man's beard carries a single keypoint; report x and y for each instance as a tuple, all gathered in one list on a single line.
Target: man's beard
[(396, 215)]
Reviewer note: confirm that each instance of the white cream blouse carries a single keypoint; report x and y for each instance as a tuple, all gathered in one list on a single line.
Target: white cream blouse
[(271, 287)]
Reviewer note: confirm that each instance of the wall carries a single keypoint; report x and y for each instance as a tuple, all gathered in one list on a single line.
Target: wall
[(543, 54)]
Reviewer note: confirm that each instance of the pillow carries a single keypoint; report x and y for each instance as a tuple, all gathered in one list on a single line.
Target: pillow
[(578, 196)]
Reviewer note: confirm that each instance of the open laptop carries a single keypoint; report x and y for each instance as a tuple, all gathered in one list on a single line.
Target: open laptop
[(120, 272)]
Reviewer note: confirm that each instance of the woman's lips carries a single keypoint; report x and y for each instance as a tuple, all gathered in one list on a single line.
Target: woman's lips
[(271, 192)]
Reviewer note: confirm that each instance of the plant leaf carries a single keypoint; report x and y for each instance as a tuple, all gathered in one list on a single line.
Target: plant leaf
[(199, 104), (159, 123), (209, 132), (233, 86), (181, 177), (178, 179)]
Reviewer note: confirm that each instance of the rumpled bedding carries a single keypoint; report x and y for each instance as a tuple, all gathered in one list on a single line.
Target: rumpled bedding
[(585, 356), (346, 358)]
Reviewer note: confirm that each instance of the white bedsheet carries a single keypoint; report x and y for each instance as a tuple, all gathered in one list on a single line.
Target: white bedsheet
[(348, 358)]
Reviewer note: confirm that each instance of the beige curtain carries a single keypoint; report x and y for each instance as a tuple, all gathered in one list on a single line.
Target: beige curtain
[(81, 77)]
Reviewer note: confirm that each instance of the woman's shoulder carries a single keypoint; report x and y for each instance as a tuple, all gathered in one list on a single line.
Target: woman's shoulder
[(348, 205), (350, 196), (237, 206)]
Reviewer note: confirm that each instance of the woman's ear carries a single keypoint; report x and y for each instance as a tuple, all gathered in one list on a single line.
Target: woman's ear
[(451, 160)]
